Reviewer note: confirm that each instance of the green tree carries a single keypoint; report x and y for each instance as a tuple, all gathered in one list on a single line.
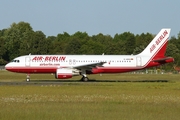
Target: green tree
[(173, 51), (39, 44), (2, 51), (26, 45), (60, 43), (81, 35), (73, 46), (76, 42), (91, 47), (138, 49), (143, 39), (127, 40), (141, 42), (104, 43), (50, 40), (62, 37), (15, 36)]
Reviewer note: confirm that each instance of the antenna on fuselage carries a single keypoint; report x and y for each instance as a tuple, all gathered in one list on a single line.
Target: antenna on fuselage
[(29, 54)]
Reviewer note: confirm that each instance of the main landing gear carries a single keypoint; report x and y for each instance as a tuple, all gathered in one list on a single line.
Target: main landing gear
[(84, 76), (28, 78), (85, 79)]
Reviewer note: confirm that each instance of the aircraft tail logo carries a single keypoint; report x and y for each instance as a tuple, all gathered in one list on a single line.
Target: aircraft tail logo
[(158, 45)]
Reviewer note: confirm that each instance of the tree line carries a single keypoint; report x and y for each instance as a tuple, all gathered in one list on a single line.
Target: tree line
[(20, 39)]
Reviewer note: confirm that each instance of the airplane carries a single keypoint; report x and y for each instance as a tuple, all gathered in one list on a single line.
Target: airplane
[(67, 66)]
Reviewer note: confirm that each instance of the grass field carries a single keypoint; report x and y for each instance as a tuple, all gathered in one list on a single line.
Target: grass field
[(110, 96)]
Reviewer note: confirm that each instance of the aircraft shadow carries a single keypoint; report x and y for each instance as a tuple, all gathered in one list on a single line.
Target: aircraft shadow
[(72, 82), (94, 80)]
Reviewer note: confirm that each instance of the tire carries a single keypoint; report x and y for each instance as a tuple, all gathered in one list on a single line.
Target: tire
[(85, 79), (28, 79)]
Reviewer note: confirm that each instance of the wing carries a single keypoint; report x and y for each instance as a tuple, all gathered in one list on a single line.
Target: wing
[(90, 66)]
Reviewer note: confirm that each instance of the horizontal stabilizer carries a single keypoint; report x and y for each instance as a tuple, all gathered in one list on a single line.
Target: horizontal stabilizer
[(162, 59)]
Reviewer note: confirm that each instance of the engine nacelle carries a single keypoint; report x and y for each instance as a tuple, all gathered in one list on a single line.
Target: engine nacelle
[(65, 73)]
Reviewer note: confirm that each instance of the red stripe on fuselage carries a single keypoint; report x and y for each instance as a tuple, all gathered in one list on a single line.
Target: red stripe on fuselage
[(32, 69), (53, 70)]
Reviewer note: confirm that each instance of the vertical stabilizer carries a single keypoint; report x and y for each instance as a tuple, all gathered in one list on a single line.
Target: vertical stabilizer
[(157, 46)]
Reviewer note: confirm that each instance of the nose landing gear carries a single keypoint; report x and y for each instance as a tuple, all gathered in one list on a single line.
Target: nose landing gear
[(28, 78)]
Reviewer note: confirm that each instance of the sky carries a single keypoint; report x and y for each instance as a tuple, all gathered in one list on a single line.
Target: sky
[(108, 17)]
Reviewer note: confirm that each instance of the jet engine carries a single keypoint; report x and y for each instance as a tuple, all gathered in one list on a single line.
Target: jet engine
[(65, 73)]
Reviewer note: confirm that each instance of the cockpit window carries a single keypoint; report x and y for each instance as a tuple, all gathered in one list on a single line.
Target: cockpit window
[(16, 61)]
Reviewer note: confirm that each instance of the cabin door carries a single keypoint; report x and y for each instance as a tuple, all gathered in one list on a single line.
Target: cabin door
[(138, 61), (27, 61)]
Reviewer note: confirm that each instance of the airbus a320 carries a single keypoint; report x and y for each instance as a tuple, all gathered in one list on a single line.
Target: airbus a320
[(67, 66)]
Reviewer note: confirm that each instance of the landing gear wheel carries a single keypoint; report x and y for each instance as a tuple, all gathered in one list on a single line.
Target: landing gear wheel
[(85, 79), (27, 79)]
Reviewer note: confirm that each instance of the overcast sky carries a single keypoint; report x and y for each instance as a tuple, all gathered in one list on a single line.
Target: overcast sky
[(93, 16)]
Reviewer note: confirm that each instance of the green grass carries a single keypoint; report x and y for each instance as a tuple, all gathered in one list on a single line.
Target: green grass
[(10, 76), (92, 100)]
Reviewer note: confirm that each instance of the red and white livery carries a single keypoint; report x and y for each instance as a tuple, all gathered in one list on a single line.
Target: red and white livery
[(67, 66)]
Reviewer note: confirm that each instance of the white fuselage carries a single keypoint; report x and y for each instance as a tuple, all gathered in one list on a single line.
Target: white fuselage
[(49, 63)]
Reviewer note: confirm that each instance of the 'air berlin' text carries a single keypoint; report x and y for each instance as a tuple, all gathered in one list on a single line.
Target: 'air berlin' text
[(158, 41)]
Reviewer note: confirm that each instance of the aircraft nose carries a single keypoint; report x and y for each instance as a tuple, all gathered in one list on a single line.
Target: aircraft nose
[(7, 67), (10, 67)]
